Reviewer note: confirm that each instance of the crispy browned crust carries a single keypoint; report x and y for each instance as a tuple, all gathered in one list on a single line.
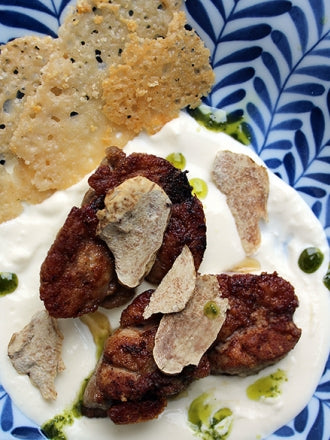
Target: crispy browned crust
[(257, 332), (128, 378), (186, 227), (78, 273), (118, 167), (124, 413), (259, 328), (187, 221), (75, 275)]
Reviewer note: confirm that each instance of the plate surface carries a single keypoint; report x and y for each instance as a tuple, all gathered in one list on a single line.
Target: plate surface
[(272, 65)]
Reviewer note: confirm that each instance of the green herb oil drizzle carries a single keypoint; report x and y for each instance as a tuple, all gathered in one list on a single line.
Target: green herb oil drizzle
[(310, 259), (326, 278), (211, 309), (208, 421), (233, 125), (53, 429), (8, 283), (267, 387)]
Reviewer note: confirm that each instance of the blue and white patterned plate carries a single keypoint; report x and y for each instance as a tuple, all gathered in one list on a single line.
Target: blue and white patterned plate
[(272, 65)]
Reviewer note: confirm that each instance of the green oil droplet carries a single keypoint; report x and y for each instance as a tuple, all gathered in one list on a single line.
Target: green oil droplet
[(234, 125), (199, 187), (211, 309), (326, 278), (8, 283), (310, 259), (199, 410), (177, 160), (267, 387)]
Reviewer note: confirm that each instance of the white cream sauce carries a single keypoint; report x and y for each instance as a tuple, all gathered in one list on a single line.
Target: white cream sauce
[(291, 228)]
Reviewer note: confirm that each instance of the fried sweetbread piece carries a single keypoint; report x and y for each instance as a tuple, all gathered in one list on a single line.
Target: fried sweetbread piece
[(78, 272), (257, 332), (187, 221), (127, 385), (259, 328)]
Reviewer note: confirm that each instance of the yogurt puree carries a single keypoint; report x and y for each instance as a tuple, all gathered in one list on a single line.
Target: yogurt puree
[(291, 228)]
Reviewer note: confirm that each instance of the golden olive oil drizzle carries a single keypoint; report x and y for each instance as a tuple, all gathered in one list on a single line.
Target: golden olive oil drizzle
[(99, 327), (177, 160), (199, 187)]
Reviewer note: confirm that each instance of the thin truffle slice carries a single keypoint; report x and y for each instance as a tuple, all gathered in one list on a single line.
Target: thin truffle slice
[(246, 187), (183, 338), (132, 224), (36, 351), (176, 287)]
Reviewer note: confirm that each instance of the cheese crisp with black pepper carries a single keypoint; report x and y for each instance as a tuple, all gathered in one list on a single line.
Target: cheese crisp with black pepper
[(94, 93)]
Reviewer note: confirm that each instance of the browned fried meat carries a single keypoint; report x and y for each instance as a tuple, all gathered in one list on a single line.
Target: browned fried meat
[(75, 275), (259, 328), (78, 273), (258, 331), (187, 221), (127, 384)]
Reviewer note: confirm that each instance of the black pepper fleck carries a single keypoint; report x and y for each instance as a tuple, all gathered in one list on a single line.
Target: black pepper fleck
[(19, 94)]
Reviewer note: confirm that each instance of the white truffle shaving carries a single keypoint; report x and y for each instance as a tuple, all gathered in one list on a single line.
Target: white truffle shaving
[(182, 338), (132, 224), (36, 351), (246, 186), (176, 287)]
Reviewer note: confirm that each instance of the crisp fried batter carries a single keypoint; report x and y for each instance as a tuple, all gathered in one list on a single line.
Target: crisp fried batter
[(78, 273), (258, 331), (128, 378), (259, 328)]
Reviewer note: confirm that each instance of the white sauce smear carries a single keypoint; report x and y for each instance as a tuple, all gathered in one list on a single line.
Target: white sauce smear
[(291, 228)]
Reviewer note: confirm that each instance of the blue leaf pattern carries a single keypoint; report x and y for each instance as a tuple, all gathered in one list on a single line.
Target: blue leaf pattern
[(302, 79), (6, 415), (251, 52), (18, 20), (27, 433), (300, 422), (282, 43)]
